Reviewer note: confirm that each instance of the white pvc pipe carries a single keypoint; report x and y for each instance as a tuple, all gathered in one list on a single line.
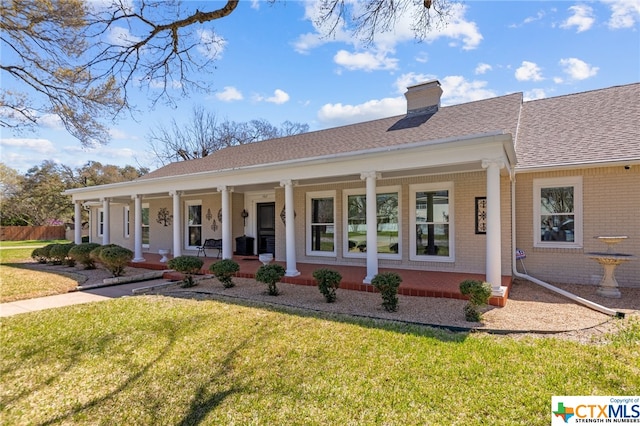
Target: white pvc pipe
[(575, 298)]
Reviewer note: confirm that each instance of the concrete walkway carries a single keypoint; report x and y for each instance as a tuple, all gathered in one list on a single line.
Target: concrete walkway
[(73, 298)]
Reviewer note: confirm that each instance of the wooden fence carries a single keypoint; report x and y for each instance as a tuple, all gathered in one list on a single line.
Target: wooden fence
[(22, 233)]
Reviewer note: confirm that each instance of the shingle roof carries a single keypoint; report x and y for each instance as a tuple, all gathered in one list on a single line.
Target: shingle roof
[(498, 114), (589, 127)]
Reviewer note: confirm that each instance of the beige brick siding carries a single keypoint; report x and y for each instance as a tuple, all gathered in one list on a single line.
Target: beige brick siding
[(611, 206)]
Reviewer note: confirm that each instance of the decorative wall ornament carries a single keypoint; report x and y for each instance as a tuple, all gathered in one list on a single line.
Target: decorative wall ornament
[(481, 215), (220, 215), (209, 215), (164, 218), (214, 226), (283, 214)]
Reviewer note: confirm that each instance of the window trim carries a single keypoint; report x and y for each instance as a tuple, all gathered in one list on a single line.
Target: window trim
[(309, 222), (187, 204), (127, 222), (436, 186), (142, 225), (578, 236), (345, 222), (100, 221)]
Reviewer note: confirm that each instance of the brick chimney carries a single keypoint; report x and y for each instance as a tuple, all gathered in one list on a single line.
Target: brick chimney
[(423, 98)]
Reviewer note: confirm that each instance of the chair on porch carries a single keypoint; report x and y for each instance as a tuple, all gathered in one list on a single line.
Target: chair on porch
[(211, 244)]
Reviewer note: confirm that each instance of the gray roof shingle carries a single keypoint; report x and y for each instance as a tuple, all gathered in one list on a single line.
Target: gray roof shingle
[(590, 127)]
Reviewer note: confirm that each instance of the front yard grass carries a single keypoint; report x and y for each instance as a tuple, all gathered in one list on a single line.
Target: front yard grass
[(19, 283), (160, 360)]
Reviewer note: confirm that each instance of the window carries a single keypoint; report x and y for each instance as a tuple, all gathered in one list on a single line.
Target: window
[(194, 223), (145, 225), (558, 212), (388, 225), (432, 220), (127, 222), (100, 222), (321, 238)]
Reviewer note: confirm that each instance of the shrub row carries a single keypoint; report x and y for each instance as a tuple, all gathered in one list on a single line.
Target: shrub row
[(112, 256)]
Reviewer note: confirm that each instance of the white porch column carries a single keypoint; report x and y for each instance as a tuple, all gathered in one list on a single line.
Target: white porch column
[(77, 219), (290, 228), (106, 222), (494, 234), (137, 229), (177, 224), (372, 225), (227, 244)]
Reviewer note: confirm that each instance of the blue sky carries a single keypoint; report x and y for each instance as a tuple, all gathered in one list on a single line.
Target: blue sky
[(274, 66)]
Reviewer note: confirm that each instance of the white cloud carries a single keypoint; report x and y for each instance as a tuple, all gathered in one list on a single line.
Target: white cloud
[(457, 90), (528, 71), (279, 97), (365, 61), (577, 69), (51, 121), (624, 13), (211, 45), (534, 94), (332, 115), (40, 146), (410, 79), (230, 94), (119, 36), (582, 18), (482, 68)]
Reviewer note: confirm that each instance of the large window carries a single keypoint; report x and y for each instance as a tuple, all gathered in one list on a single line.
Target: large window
[(321, 237), (432, 220), (194, 223), (387, 223), (558, 212), (145, 225)]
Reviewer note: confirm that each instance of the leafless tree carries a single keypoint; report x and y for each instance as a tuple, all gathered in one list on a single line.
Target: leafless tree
[(204, 134)]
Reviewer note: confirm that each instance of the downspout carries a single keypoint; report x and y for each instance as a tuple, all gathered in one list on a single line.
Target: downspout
[(575, 298)]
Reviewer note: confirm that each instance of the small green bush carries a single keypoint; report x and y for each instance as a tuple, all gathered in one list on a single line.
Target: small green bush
[(81, 254), (46, 252), (188, 265), (39, 255), (224, 270), (270, 274), (95, 253), (328, 282), (60, 254), (387, 284), (479, 293), (115, 259)]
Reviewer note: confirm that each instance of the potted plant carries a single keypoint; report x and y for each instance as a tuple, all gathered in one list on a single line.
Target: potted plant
[(479, 293), (270, 274), (328, 282), (224, 270), (188, 265), (387, 284)]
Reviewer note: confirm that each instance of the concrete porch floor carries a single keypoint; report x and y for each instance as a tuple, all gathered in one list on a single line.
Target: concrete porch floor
[(414, 282)]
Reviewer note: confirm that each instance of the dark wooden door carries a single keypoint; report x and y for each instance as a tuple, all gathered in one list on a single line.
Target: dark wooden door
[(266, 228)]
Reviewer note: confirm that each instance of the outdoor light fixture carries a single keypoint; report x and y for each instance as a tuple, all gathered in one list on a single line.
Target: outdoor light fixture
[(245, 215)]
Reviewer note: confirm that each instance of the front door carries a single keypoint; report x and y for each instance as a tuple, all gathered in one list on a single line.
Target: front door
[(266, 217)]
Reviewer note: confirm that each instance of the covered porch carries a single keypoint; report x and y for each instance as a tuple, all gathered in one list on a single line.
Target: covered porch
[(417, 283)]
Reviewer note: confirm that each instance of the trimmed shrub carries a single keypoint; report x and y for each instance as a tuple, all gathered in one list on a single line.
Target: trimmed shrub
[(46, 251), (60, 254), (115, 258), (479, 293), (387, 284), (270, 274), (224, 270), (39, 255), (188, 265), (328, 282), (95, 253), (81, 254)]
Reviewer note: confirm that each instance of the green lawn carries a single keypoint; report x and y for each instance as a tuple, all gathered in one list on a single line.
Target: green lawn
[(18, 282), (166, 361)]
